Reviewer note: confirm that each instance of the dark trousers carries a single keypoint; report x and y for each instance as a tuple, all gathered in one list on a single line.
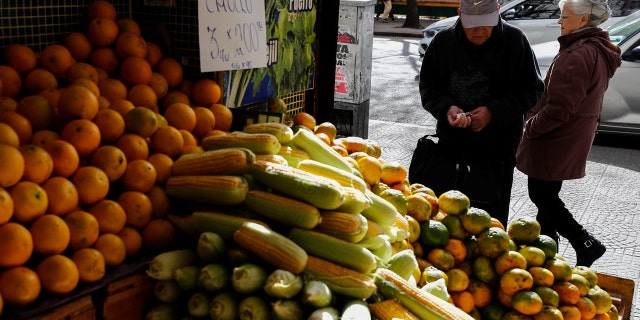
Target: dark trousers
[(553, 216), (500, 206)]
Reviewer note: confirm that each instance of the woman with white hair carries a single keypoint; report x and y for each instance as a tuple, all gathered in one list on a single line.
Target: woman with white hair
[(560, 128)]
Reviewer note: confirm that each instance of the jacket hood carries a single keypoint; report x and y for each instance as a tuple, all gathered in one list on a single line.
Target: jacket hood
[(600, 40)]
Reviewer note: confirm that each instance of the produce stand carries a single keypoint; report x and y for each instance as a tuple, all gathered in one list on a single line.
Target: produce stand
[(621, 291)]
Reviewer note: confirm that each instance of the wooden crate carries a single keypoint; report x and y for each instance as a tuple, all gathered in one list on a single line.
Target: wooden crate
[(79, 309), (127, 298), (621, 291)]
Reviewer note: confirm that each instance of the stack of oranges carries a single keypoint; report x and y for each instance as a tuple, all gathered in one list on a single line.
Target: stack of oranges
[(89, 130)]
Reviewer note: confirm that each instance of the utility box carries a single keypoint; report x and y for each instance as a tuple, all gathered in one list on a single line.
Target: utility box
[(353, 67)]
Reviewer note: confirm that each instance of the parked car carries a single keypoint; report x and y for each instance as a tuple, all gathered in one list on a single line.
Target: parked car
[(537, 18), (621, 104)]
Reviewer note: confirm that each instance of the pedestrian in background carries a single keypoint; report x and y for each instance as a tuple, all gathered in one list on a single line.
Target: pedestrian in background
[(478, 79), (561, 127), (386, 11)]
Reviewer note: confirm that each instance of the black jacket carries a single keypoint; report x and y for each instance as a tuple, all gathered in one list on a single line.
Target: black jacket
[(501, 74)]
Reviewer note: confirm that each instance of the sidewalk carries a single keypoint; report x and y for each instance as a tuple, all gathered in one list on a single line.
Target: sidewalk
[(394, 28)]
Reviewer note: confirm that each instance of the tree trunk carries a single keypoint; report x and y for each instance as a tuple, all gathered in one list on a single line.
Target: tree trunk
[(413, 19)]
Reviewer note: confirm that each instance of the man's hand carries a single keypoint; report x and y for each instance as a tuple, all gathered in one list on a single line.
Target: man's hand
[(481, 117), (458, 118)]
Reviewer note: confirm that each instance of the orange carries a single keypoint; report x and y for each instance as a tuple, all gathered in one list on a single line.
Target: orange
[(19, 286), (561, 269), (154, 54), (19, 123), (191, 149), (40, 79), (12, 165), (463, 300), (515, 280), (11, 81), (163, 165), (134, 146), (6, 206), (29, 200), (50, 235), (130, 44), (20, 57), (141, 121), (441, 259), (110, 215), (132, 241), (433, 234), (65, 157), (122, 106), (527, 302), (16, 244), (142, 95), (57, 59), (588, 273), (138, 208), (38, 164), (112, 89), (62, 195), (587, 308), (393, 172), (38, 110), (78, 102), (79, 45), (83, 227), (92, 184), (135, 70), (457, 249), (180, 115), (305, 119), (90, 263), (53, 96), (172, 97), (167, 140), (112, 248), (89, 84), (581, 282), (105, 59), (128, 25), (83, 134), (371, 169), (82, 70), (189, 138), (481, 292), (58, 274), (458, 280), (159, 201), (541, 276), (8, 135), (111, 160), (205, 121), (159, 85), (493, 242), (206, 92), (110, 124), (101, 8), (509, 260), (535, 256), (102, 32), (158, 235), (570, 312), (568, 292), (172, 71), (140, 175), (7, 103)]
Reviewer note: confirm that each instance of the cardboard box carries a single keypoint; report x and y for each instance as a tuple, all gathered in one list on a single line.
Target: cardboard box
[(127, 298), (621, 291), (79, 309)]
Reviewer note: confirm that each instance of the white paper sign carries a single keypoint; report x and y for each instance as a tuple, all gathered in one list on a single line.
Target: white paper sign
[(232, 34)]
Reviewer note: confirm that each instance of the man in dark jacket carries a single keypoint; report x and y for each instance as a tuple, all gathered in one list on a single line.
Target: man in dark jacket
[(478, 79)]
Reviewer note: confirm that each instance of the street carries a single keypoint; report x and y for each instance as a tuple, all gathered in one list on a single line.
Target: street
[(606, 201)]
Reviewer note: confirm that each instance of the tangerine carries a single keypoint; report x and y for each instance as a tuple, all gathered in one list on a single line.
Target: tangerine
[(163, 165), (143, 95), (90, 263), (37, 110), (110, 124), (65, 157), (11, 82), (515, 280), (57, 59), (110, 215), (92, 184), (6, 206), (105, 59), (50, 235), (19, 123), (20, 57), (58, 274), (82, 134), (138, 208), (112, 248), (16, 244), (181, 116), (134, 146), (83, 228), (132, 241), (77, 102), (130, 44), (135, 70), (12, 165), (140, 175), (223, 115), (205, 92), (19, 286), (79, 45), (62, 195), (158, 235), (30, 201), (172, 71), (141, 121), (82, 70), (453, 202), (39, 79), (102, 32), (167, 140), (112, 89)]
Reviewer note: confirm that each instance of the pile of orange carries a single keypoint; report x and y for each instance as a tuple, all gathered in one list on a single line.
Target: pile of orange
[(89, 130)]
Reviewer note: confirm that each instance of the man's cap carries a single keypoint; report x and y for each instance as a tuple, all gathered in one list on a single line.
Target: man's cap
[(479, 13)]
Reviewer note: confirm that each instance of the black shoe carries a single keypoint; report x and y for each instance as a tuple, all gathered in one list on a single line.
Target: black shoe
[(588, 249), (384, 20)]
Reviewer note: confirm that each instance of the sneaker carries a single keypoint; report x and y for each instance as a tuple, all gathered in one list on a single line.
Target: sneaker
[(588, 249), (384, 20)]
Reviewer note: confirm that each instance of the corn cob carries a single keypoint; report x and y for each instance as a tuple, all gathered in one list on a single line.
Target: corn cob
[(259, 143), (220, 223), (275, 158), (318, 191), (374, 229), (214, 162), (221, 190), (380, 211), (344, 178), (290, 212), (346, 226), (271, 246), (318, 150), (293, 155), (280, 130), (354, 201), (162, 265), (340, 279), (349, 255), (391, 309), (421, 303)]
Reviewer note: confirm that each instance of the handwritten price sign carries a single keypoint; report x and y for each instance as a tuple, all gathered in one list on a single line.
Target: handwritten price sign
[(232, 35)]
